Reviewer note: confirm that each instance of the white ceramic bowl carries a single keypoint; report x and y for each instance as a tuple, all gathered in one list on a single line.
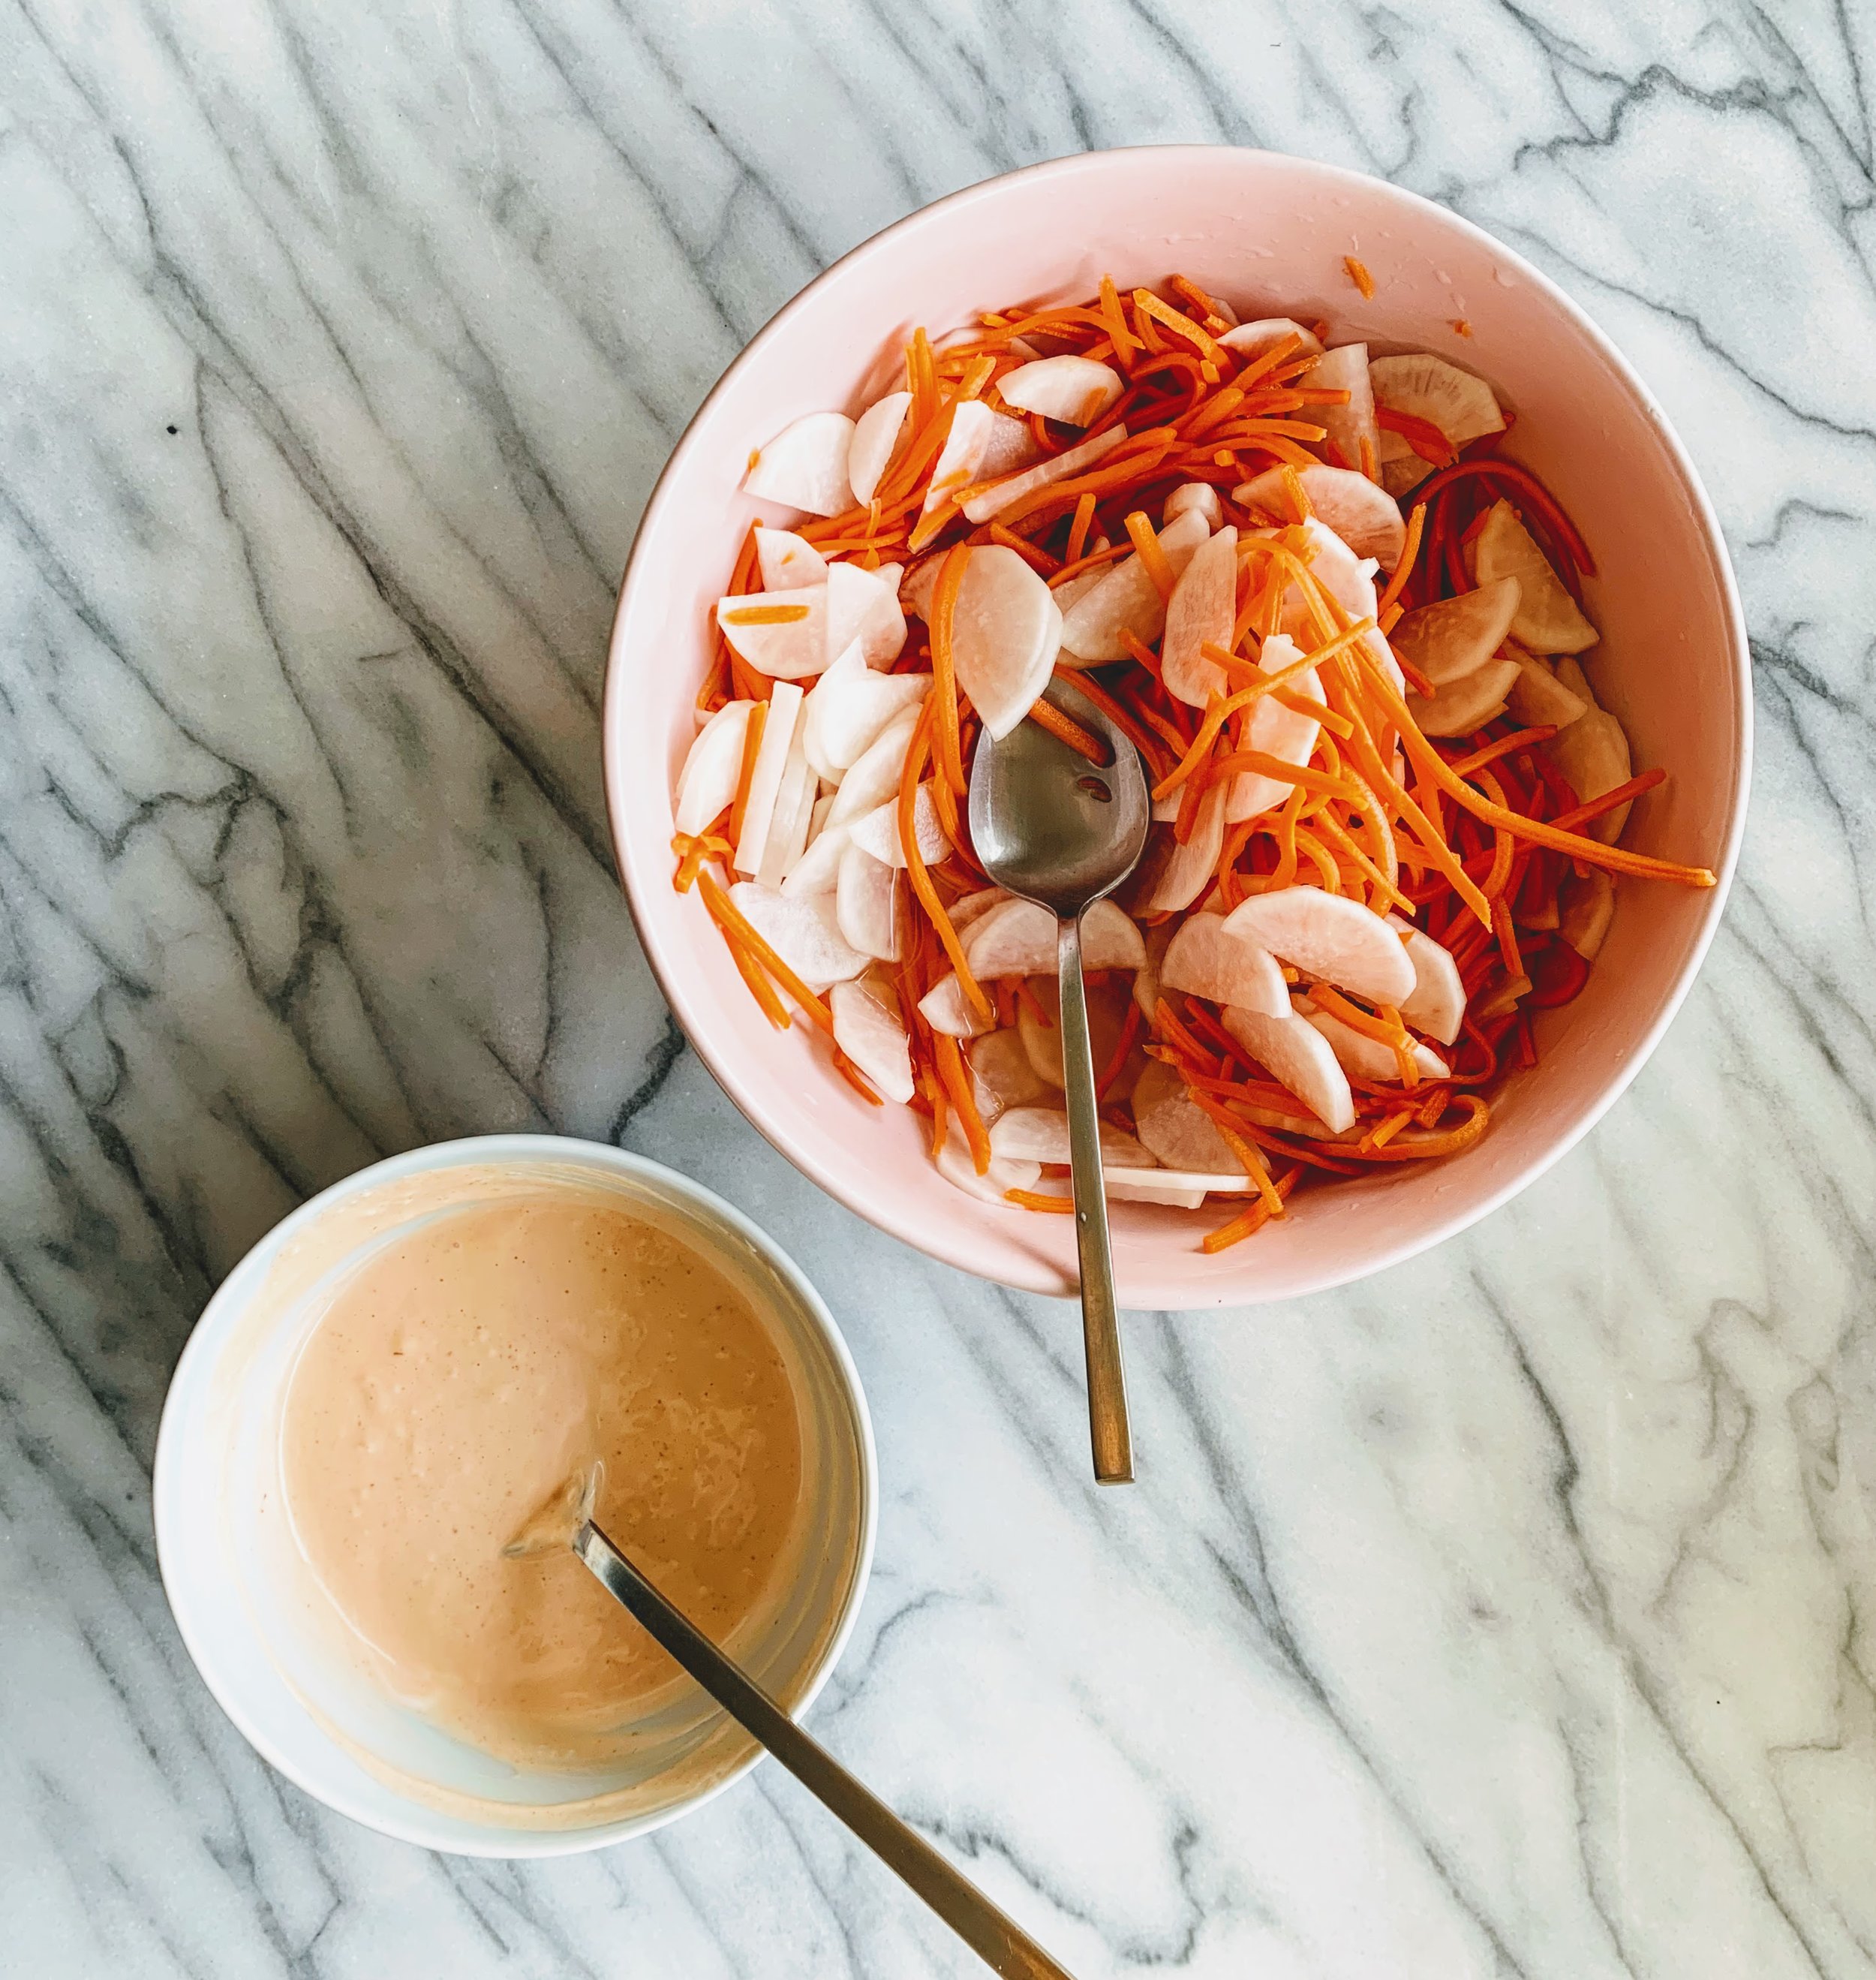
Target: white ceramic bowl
[(305, 1709), (1268, 233)]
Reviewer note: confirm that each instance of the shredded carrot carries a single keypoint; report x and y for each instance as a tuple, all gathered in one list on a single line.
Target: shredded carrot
[(1064, 728), (765, 615), (1033, 1199), (1410, 550), (916, 757), (1078, 529), (1152, 559), (751, 747), (1358, 274), (944, 674), (1462, 326), (728, 916), (956, 1077), (1130, 1031), (1425, 439), (856, 1079)]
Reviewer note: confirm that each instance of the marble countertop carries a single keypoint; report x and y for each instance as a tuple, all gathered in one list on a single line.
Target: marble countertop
[(1511, 1614)]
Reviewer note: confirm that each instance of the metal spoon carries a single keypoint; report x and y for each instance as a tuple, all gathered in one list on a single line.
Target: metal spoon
[(1050, 825), (990, 1932)]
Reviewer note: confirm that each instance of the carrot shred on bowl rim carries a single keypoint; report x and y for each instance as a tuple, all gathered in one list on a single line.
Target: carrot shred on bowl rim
[(1478, 841)]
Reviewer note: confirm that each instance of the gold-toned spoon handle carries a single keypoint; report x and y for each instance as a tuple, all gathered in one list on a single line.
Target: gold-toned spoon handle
[(991, 1934)]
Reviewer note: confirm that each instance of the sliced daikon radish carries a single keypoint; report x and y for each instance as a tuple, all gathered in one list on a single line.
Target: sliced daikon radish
[(1041, 1035), (1299, 1058), (1005, 634), (1537, 696), (1548, 620), (1011, 445), (1057, 467), (1178, 1189), (1199, 495), (962, 455), (1075, 391), (866, 905), (873, 779), (1593, 754), (1020, 938), (1000, 1065), (787, 830), (1404, 473), (817, 869), (805, 465), (956, 1166), (782, 634), (966, 908), (1436, 1005), (1189, 869), (876, 832), (915, 586), (1468, 703), (1041, 1135), (1329, 936), (1352, 429), (1277, 730), (850, 707), (1453, 637), (1173, 1125), (1204, 607), (1204, 960), (892, 575), (787, 561), (1367, 1057), (1365, 516), (1349, 581), (771, 759), (802, 932), (1251, 340), (875, 434), (861, 606), (1127, 600), (873, 1037), (706, 786), (946, 1008), (1428, 388), (1588, 906), (1067, 596)]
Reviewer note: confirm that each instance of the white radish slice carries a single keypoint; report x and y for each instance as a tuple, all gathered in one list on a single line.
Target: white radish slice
[(788, 829), (1299, 1058), (802, 932), (1537, 696), (1436, 1005), (946, 1008), (866, 905), (1205, 960), (1467, 704), (772, 760), (876, 832), (1593, 754), (916, 585), (1000, 495), (1179, 1189), (1074, 390), (1173, 1125), (1569, 670), (1349, 581), (805, 465), (1428, 388), (1000, 1065), (1365, 516), (961, 456), (955, 1165), (850, 707), (1352, 427), (1589, 908), (1453, 637), (1548, 619), (818, 870), (1204, 607), (706, 786), (1005, 634), (873, 1037), (966, 908), (1278, 731), (873, 779), (787, 561), (782, 634), (875, 434), (1038, 1024), (1019, 938), (1199, 495), (1367, 1057), (1011, 446), (1252, 340), (862, 606), (892, 575), (1404, 473), (1329, 936), (1127, 600), (1188, 871), (1066, 598), (1041, 1135)]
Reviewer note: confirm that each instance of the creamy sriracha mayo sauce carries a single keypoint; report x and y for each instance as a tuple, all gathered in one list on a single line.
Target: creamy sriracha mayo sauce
[(458, 1379)]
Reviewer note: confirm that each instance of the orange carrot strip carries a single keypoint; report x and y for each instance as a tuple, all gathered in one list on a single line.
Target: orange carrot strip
[(1425, 439), (1417, 527), (1123, 1046), (1114, 318), (1177, 321), (1506, 746), (1065, 728), (752, 743), (1358, 274), (957, 1078), (1122, 718), (944, 674), (760, 987), (726, 914), (1247, 1157), (915, 758), (852, 1075), (765, 615), (1078, 529), (1031, 1199), (1153, 559), (1621, 795)]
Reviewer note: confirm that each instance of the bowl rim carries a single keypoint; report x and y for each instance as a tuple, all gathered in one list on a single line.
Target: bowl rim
[(775, 1130), (197, 1364)]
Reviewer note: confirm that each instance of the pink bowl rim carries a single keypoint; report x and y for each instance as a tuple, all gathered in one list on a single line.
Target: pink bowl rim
[(636, 876)]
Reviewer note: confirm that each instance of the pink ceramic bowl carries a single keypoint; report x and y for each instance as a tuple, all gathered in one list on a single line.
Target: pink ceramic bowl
[(1269, 234)]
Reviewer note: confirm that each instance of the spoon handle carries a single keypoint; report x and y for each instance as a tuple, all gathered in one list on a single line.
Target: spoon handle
[(991, 1934), (1101, 1325)]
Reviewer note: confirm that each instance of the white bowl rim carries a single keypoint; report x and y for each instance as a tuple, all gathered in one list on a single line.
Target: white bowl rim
[(1438, 1229), (195, 1364)]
